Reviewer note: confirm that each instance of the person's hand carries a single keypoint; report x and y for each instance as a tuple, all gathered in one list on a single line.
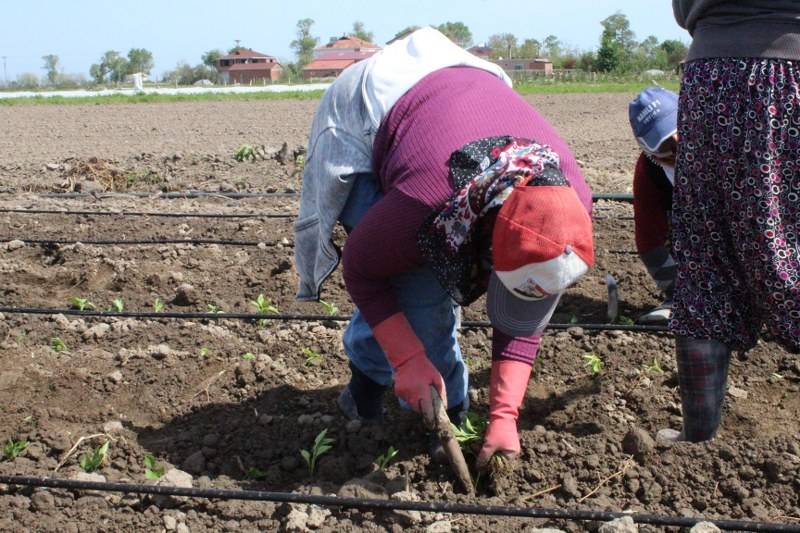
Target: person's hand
[(414, 373), (501, 437), (412, 382), (506, 391)]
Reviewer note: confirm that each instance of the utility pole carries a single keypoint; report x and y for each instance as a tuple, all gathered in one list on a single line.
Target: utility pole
[(5, 77)]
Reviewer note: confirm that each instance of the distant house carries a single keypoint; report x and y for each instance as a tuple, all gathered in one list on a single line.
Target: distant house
[(330, 60), (246, 65), (481, 51), (511, 66)]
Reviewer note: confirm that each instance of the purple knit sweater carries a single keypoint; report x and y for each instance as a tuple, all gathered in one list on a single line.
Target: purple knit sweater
[(444, 111)]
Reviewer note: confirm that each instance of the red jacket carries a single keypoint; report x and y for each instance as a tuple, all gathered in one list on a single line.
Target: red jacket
[(652, 203)]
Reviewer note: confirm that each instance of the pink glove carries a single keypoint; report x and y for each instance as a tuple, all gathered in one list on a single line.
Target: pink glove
[(414, 373), (506, 391)]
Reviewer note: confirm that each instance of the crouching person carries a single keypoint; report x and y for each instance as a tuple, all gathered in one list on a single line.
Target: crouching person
[(654, 121), (449, 186)]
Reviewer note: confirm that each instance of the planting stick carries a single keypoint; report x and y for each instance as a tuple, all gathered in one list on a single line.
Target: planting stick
[(440, 423)]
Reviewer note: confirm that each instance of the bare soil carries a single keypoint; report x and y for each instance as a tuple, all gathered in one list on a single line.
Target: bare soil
[(187, 393)]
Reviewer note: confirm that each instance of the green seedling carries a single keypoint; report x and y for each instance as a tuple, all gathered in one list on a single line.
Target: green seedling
[(593, 363), (322, 445), (312, 356), (264, 306), (625, 320), (248, 356), (158, 305), (152, 470), (21, 339), (58, 345), (204, 351), (470, 431), (214, 309), (775, 377), (300, 163), (93, 460), (245, 152), (255, 474), (81, 304), (330, 309), (118, 304), (384, 459), (13, 448), (654, 367), (574, 319)]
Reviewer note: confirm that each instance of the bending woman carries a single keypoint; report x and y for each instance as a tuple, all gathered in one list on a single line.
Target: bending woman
[(449, 186)]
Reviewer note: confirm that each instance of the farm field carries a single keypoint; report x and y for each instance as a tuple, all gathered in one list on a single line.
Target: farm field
[(232, 402)]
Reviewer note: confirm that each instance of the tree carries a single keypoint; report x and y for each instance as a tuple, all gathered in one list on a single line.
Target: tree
[(674, 52), (98, 72), (112, 67), (609, 56), (551, 47), (51, 67), (140, 60), (587, 62), (529, 49), (458, 32), (117, 65), (361, 33), (305, 43), (503, 45), (211, 58), (616, 44), (403, 33), (26, 80), (183, 74)]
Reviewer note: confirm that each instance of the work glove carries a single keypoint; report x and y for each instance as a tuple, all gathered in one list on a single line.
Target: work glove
[(506, 391), (413, 372)]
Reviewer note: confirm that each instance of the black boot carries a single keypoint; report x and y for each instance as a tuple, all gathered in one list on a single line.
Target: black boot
[(362, 399)]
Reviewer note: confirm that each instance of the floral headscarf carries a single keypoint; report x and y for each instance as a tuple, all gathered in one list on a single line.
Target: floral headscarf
[(456, 240)]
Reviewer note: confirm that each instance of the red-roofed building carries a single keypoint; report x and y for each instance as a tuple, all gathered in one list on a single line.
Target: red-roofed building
[(330, 60), (246, 66), (480, 51)]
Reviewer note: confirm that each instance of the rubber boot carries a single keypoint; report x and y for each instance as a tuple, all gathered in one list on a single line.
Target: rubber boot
[(362, 399), (702, 376)]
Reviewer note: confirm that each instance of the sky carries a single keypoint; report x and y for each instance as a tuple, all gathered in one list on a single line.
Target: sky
[(80, 31)]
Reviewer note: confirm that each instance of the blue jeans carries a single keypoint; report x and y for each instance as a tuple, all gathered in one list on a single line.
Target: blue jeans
[(430, 310)]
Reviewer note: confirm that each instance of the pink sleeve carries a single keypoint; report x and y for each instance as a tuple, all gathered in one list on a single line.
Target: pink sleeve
[(383, 245)]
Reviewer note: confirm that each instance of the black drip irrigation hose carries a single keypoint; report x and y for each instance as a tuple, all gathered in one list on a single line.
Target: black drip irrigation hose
[(467, 324), (169, 195), (146, 214), (611, 196), (394, 505), (136, 242), (153, 242), (188, 215)]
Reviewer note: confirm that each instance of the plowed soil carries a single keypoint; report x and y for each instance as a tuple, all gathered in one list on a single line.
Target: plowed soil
[(232, 402)]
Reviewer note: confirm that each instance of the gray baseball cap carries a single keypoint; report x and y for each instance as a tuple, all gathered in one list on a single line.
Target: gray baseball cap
[(516, 316)]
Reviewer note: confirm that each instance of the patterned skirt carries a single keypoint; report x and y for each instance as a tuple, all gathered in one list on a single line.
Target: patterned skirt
[(736, 203)]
